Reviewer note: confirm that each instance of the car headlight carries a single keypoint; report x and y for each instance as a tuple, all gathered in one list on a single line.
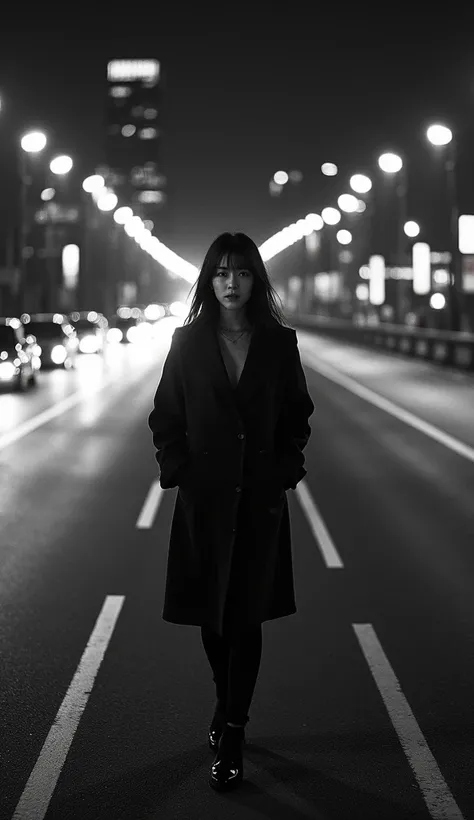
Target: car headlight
[(7, 371), (89, 344), (114, 335), (58, 354)]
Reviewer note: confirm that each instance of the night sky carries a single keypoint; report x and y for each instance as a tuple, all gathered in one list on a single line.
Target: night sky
[(248, 92)]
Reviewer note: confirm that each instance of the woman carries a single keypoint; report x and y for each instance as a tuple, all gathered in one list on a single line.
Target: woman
[(230, 422)]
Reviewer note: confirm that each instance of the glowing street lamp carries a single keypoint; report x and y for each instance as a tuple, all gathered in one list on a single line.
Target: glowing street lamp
[(107, 201), (61, 165), (348, 203), (344, 237), (329, 169), (280, 177), (439, 135), (315, 222), (442, 138), (360, 183), (331, 216), (123, 215), (411, 228), (390, 163), (33, 142), (93, 184)]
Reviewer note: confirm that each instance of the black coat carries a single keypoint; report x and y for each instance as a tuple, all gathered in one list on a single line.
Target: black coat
[(232, 453)]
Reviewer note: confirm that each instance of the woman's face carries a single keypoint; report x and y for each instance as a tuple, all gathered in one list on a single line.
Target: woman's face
[(229, 281)]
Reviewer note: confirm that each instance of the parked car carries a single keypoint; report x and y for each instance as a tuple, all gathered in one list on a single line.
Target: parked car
[(56, 338), (91, 328), (19, 361)]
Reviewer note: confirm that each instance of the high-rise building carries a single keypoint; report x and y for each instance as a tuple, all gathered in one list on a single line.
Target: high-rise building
[(133, 155)]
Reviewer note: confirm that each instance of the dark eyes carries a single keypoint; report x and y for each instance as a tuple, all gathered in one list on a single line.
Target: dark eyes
[(224, 273)]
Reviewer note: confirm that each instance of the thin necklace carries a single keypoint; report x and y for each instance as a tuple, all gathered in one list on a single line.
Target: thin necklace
[(233, 330)]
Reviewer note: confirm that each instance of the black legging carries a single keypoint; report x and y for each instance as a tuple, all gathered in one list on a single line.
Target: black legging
[(235, 662)]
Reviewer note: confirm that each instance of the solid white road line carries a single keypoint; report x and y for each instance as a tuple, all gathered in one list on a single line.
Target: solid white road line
[(435, 791), (150, 507), (43, 417), (318, 527), (365, 393), (39, 789)]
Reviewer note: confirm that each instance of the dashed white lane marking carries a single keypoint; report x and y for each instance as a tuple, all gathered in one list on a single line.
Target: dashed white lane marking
[(385, 404), (34, 801), (150, 507), (318, 527), (435, 791)]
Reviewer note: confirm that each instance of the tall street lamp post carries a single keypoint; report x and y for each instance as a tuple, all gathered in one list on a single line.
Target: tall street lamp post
[(31, 143), (393, 165), (443, 140)]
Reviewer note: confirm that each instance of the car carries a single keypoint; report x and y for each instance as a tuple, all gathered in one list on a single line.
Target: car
[(56, 338), (19, 361), (91, 328), (123, 326)]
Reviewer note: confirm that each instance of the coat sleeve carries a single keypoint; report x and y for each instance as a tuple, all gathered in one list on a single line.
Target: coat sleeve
[(167, 420), (293, 429)]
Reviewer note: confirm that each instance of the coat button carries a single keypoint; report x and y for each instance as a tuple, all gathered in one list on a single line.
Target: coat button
[(238, 489), (240, 435)]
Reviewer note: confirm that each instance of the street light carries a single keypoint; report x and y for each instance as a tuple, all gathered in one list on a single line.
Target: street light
[(348, 203), (107, 201), (344, 237), (33, 142), (61, 165), (329, 169), (390, 163), (315, 222), (280, 177), (122, 215), (411, 228), (360, 183), (441, 137), (331, 216), (93, 184)]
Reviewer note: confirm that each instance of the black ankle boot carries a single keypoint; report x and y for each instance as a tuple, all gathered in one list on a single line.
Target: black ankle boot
[(217, 725), (227, 769)]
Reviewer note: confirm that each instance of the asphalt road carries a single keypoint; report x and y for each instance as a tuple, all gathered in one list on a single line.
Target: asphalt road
[(363, 707)]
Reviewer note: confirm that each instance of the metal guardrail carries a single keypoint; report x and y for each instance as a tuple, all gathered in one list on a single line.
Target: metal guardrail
[(440, 346)]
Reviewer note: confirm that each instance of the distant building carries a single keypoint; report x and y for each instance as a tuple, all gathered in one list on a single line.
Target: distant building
[(133, 140)]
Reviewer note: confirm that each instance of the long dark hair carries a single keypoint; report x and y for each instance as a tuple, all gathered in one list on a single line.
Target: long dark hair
[(262, 307)]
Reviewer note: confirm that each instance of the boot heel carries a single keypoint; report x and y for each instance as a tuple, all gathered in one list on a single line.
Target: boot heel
[(227, 769)]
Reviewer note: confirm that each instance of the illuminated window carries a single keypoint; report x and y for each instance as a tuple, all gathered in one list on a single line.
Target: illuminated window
[(137, 176), (150, 196), (150, 113), (120, 91), (128, 130), (148, 133), (131, 70)]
